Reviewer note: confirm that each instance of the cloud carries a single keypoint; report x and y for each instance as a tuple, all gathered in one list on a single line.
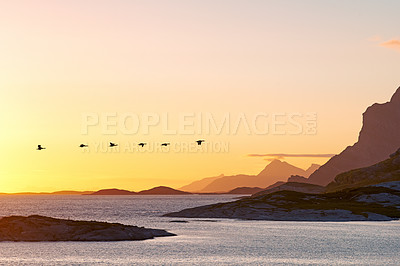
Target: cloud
[(392, 44), (283, 155)]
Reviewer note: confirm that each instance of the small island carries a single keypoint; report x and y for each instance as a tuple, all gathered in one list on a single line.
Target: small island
[(160, 190), (41, 228)]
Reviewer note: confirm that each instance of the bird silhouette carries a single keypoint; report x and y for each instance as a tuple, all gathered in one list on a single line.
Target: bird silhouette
[(113, 144), (142, 144), (199, 141), (39, 147), (165, 144), (83, 145)]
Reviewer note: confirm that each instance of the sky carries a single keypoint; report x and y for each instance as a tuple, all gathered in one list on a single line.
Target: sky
[(289, 78)]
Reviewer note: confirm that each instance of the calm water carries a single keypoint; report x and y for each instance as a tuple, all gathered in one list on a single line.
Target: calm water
[(201, 242)]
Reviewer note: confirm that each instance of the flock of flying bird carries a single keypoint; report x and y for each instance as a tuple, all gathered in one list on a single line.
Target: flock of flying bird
[(199, 142)]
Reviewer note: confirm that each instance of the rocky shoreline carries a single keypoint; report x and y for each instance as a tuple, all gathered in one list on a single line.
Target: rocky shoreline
[(373, 203), (42, 228)]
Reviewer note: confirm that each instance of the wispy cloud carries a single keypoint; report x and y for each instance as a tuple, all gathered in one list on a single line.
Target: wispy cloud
[(391, 44), (284, 155)]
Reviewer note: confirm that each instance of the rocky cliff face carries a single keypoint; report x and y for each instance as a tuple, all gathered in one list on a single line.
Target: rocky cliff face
[(388, 170), (379, 137)]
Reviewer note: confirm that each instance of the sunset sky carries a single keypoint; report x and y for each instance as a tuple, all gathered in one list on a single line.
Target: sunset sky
[(63, 60)]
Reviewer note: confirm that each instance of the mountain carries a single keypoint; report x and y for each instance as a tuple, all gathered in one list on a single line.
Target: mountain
[(374, 203), (245, 190), (227, 183), (388, 170), (298, 179), (198, 185), (314, 167), (378, 138), (367, 194), (153, 191), (275, 184), (272, 173), (293, 186), (113, 191), (161, 190)]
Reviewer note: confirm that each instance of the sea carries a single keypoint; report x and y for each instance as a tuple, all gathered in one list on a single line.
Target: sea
[(198, 241)]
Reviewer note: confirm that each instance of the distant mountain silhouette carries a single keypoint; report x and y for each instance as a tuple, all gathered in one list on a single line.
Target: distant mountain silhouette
[(379, 137), (314, 167), (245, 190), (198, 185), (161, 190), (272, 173), (113, 191)]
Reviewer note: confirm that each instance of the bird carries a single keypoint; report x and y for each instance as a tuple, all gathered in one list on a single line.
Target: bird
[(142, 144), (165, 144), (83, 145), (113, 144), (39, 147), (199, 141)]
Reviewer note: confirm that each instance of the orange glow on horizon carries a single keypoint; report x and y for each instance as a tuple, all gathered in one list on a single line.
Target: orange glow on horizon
[(60, 60)]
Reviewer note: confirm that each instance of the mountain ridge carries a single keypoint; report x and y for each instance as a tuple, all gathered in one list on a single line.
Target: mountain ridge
[(367, 194), (378, 138), (275, 171)]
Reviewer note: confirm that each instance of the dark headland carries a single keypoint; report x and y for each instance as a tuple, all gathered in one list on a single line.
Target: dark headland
[(41, 228)]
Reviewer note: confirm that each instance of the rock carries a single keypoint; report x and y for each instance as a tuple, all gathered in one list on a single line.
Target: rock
[(293, 186), (245, 190), (378, 138), (360, 204), (366, 194), (385, 171), (41, 228), (395, 154), (298, 179)]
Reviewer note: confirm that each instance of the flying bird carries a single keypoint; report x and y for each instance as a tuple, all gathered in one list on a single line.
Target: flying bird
[(165, 144), (113, 144), (39, 147), (142, 144), (83, 145), (199, 141)]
